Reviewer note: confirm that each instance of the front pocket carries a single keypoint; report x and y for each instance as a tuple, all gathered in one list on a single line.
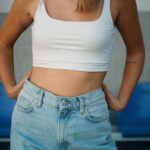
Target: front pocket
[(96, 112), (23, 104)]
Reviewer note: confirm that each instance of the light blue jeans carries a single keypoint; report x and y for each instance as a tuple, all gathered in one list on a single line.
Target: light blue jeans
[(42, 120)]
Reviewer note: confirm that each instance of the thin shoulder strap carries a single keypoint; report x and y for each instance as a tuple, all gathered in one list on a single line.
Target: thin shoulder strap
[(107, 11), (38, 9)]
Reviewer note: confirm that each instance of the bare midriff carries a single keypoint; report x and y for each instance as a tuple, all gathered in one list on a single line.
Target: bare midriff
[(63, 82)]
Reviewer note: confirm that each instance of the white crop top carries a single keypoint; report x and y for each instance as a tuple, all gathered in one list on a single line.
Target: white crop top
[(72, 45)]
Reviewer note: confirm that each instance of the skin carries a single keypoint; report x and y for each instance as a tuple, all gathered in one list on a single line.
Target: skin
[(68, 82)]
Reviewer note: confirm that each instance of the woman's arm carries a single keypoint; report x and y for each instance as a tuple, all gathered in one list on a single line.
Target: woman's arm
[(16, 22), (129, 27)]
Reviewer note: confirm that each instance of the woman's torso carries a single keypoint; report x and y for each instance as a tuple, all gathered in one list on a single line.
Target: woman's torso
[(68, 82)]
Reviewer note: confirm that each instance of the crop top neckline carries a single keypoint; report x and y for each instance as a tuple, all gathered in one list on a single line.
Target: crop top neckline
[(99, 19), (73, 45)]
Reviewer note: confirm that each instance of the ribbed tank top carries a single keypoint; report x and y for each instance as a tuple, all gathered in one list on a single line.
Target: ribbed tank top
[(72, 45)]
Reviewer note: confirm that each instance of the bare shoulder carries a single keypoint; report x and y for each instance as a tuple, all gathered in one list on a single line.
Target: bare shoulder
[(126, 3), (125, 8), (25, 6), (114, 7), (128, 24), (19, 18), (33, 7)]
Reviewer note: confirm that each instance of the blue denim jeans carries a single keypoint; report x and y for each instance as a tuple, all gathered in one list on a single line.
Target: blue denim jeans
[(42, 120)]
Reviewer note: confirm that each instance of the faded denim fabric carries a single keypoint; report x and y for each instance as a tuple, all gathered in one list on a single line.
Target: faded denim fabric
[(42, 120)]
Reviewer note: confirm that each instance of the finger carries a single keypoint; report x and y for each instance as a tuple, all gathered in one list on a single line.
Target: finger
[(28, 73), (108, 102), (103, 85), (105, 88)]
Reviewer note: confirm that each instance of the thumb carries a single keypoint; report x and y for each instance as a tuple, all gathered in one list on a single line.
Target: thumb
[(27, 75), (104, 87)]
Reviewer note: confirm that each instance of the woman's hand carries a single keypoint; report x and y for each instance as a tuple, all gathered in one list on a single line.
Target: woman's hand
[(13, 91), (113, 103)]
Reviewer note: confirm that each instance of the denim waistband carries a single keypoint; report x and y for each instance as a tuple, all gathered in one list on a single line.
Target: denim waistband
[(40, 95)]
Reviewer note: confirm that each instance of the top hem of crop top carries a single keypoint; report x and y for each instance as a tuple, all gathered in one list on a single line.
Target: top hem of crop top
[(72, 45)]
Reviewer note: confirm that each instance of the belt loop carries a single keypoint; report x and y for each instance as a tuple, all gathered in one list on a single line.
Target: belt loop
[(82, 106), (40, 99)]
